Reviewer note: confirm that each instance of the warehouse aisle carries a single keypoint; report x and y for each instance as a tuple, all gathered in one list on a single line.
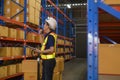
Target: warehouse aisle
[(75, 69)]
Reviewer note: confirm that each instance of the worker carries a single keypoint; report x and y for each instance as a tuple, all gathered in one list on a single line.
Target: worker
[(48, 49)]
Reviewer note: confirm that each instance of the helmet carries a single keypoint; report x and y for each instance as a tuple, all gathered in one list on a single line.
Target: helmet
[(52, 23)]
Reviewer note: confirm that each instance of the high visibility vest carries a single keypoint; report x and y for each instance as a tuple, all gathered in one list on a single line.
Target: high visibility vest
[(51, 55)]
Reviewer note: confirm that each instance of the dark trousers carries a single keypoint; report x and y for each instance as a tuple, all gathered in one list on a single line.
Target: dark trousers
[(48, 68)]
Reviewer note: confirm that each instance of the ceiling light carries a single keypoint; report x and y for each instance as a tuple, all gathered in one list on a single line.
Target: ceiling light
[(68, 6)]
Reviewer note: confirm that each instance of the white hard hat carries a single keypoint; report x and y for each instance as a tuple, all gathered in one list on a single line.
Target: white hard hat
[(52, 23)]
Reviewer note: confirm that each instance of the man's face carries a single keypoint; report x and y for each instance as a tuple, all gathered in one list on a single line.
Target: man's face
[(45, 27)]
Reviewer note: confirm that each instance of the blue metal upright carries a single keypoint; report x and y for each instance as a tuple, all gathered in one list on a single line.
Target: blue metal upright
[(43, 12), (70, 24), (57, 14), (65, 23), (92, 40), (25, 20), (1, 10)]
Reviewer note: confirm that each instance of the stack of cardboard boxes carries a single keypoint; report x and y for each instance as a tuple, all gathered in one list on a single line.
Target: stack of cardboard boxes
[(11, 51), (60, 50), (29, 67), (33, 10), (60, 41), (10, 70), (68, 42), (59, 68)]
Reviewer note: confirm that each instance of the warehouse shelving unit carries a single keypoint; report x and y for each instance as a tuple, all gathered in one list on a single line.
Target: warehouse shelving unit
[(12, 41), (62, 19), (93, 11), (22, 43)]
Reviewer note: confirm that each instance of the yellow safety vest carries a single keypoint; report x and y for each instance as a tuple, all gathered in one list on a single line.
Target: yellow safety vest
[(52, 55)]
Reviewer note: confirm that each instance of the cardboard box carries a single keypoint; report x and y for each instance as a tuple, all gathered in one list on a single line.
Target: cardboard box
[(56, 76), (30, 76), (31, 3), (11, 69), (15, 9), (12, 33), (31, 66), (3, 71), (39, 38), (59, 65), (19, 67), (30, 36), (31, 13), (37, 18), (20, 34), (112, 2), (109, 61), (28, 52), (61, 76), (3, 31), (38, 5), (7, 8), (17, 51), (5, 52)]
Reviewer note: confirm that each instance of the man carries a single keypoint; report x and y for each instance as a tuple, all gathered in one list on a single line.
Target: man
[(48, 49)]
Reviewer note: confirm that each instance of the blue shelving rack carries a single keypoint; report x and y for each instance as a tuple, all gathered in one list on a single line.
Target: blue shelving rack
[(1, 11), (93, 6)]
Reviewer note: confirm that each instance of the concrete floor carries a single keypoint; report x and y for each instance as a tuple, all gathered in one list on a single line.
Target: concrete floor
[(75, 69)]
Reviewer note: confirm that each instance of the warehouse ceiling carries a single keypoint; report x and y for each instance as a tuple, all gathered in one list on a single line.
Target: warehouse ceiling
[(78, 9)]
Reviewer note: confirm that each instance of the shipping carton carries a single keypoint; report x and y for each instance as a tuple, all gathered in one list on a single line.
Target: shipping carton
[(3, 31), (109, 61), (19, 67), (7, 8), (3, 71), (20, 34), (11, 69), (30, 68), (59, 65), (5, 52), (112, 2), (30, 76), (56, 76), (12, 33)]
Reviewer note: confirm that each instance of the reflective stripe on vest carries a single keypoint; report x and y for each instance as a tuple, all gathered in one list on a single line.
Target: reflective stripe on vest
[(52, 55)]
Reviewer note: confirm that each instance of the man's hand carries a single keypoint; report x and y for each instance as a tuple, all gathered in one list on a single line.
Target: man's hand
[(37, 50)]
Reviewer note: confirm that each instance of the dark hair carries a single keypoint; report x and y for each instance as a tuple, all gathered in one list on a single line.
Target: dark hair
[(47, 23)]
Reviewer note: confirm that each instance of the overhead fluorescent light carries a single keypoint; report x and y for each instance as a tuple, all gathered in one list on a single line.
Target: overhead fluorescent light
[(68, 6)]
